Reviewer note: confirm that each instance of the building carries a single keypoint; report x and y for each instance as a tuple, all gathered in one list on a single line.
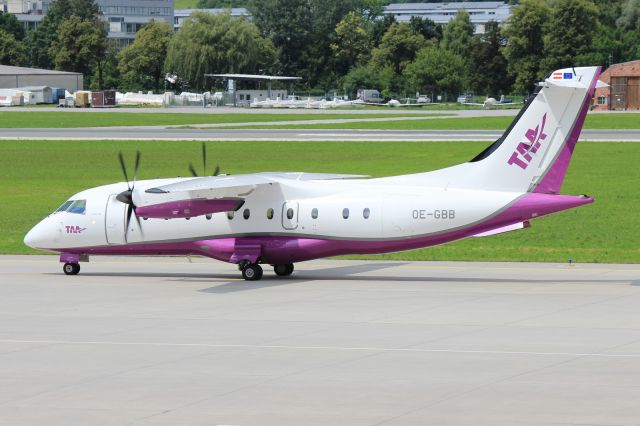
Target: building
[(623, 92), (441, 13), (181, 14), (14, 77), (123, 17)]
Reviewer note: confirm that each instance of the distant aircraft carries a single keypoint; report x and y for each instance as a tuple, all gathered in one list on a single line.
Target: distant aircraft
[(282, 218), (493, 103)]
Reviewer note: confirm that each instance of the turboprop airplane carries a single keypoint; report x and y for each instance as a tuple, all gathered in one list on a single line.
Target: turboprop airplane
[(283, 218)]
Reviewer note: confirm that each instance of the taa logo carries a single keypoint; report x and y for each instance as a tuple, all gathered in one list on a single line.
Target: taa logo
[(74, 229), (524, 153)]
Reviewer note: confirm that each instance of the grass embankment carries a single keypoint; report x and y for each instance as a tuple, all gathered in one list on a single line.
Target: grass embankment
[(39, 176), (593, 121), (73, 119)]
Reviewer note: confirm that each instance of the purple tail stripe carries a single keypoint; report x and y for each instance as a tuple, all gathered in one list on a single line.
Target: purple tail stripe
[(552, 182)]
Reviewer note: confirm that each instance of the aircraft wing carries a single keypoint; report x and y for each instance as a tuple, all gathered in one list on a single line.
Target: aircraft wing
[(214, 194)]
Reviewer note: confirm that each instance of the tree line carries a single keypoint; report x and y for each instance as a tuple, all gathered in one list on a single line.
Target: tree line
[(339, 45)]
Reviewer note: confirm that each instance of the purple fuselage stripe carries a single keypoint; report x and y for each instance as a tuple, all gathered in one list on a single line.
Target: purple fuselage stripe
[(283, 249), (552, 181)]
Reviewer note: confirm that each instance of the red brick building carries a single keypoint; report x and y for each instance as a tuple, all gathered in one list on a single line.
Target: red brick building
[(623, 92)]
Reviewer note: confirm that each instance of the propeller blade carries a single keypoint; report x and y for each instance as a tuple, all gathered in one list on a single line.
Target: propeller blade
[(135, 168), (204, 159), (124, 168), (193, 170), (217, 170), (128, 221)]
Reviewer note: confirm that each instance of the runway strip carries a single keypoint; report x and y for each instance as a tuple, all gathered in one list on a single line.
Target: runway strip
[(161, 133), (165, 341)]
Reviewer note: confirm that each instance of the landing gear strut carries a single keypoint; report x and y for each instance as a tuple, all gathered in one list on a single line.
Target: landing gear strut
[(283, 270), (251, 272), (71, 268)]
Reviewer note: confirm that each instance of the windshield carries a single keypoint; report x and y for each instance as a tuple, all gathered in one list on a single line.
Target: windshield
[(73, 206)]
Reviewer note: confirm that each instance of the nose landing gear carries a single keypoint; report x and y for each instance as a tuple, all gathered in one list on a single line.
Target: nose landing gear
[(71, 268), (251, 272)]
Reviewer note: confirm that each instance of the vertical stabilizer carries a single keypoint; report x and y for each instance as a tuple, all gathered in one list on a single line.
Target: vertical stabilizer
[(534, 153)]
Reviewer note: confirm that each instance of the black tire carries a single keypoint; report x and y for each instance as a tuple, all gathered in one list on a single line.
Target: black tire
[(252, 272), (283, 270), (71, 268)]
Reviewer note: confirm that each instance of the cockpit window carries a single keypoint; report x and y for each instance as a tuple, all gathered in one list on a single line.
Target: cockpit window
[(78, 207), (64, 206), (73, 206)]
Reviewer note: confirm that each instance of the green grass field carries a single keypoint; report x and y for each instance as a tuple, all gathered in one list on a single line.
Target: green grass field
[(38, 176), (593, 121), (67, 119)]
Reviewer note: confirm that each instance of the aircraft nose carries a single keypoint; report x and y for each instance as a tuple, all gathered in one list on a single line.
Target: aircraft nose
[(36, 237)]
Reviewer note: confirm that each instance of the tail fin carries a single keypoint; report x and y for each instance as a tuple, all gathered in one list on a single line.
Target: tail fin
[(534, 152)]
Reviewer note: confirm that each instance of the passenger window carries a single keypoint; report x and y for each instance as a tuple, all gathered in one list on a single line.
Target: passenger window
[(345, 213), (230, 215), (269, 214), (314, 213), (246, 214), (366, 213), (77, 207), (289, 213)]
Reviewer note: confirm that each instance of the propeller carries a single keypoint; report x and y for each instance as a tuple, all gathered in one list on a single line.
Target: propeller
[(192, 169), (126, 197)]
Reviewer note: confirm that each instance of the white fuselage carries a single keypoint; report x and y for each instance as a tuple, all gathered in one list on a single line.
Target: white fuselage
[(312, 209)]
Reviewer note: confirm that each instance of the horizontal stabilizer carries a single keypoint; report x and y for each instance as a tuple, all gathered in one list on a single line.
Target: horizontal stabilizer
[(503, 229)]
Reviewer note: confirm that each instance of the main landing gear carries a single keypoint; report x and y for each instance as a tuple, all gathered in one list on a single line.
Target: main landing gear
[(253, 271), (71, 268), (283, 270)]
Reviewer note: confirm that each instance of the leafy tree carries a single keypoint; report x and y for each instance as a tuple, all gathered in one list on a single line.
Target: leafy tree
[(630, 15), (380, 27), (39, 40), (80, 46), (353, 44), (427, 28), (569, 35), (398, 47), (11, 25), (12, 51), (303, 31), (217, 44), (109, 68), (141, 64), (489, 65), (524, 31), (458, 34), (360, 77), (437, 70)]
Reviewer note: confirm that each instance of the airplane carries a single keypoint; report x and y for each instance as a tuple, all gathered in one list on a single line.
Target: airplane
[(493, 102), (280, 219)]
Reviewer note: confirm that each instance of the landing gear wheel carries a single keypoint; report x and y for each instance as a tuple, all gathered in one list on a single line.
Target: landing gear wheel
[(71, 268), (252, 272), (283, 270)]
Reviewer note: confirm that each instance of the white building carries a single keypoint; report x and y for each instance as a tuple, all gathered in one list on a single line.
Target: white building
[(180, 15), (441, 13), (123, 17)]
